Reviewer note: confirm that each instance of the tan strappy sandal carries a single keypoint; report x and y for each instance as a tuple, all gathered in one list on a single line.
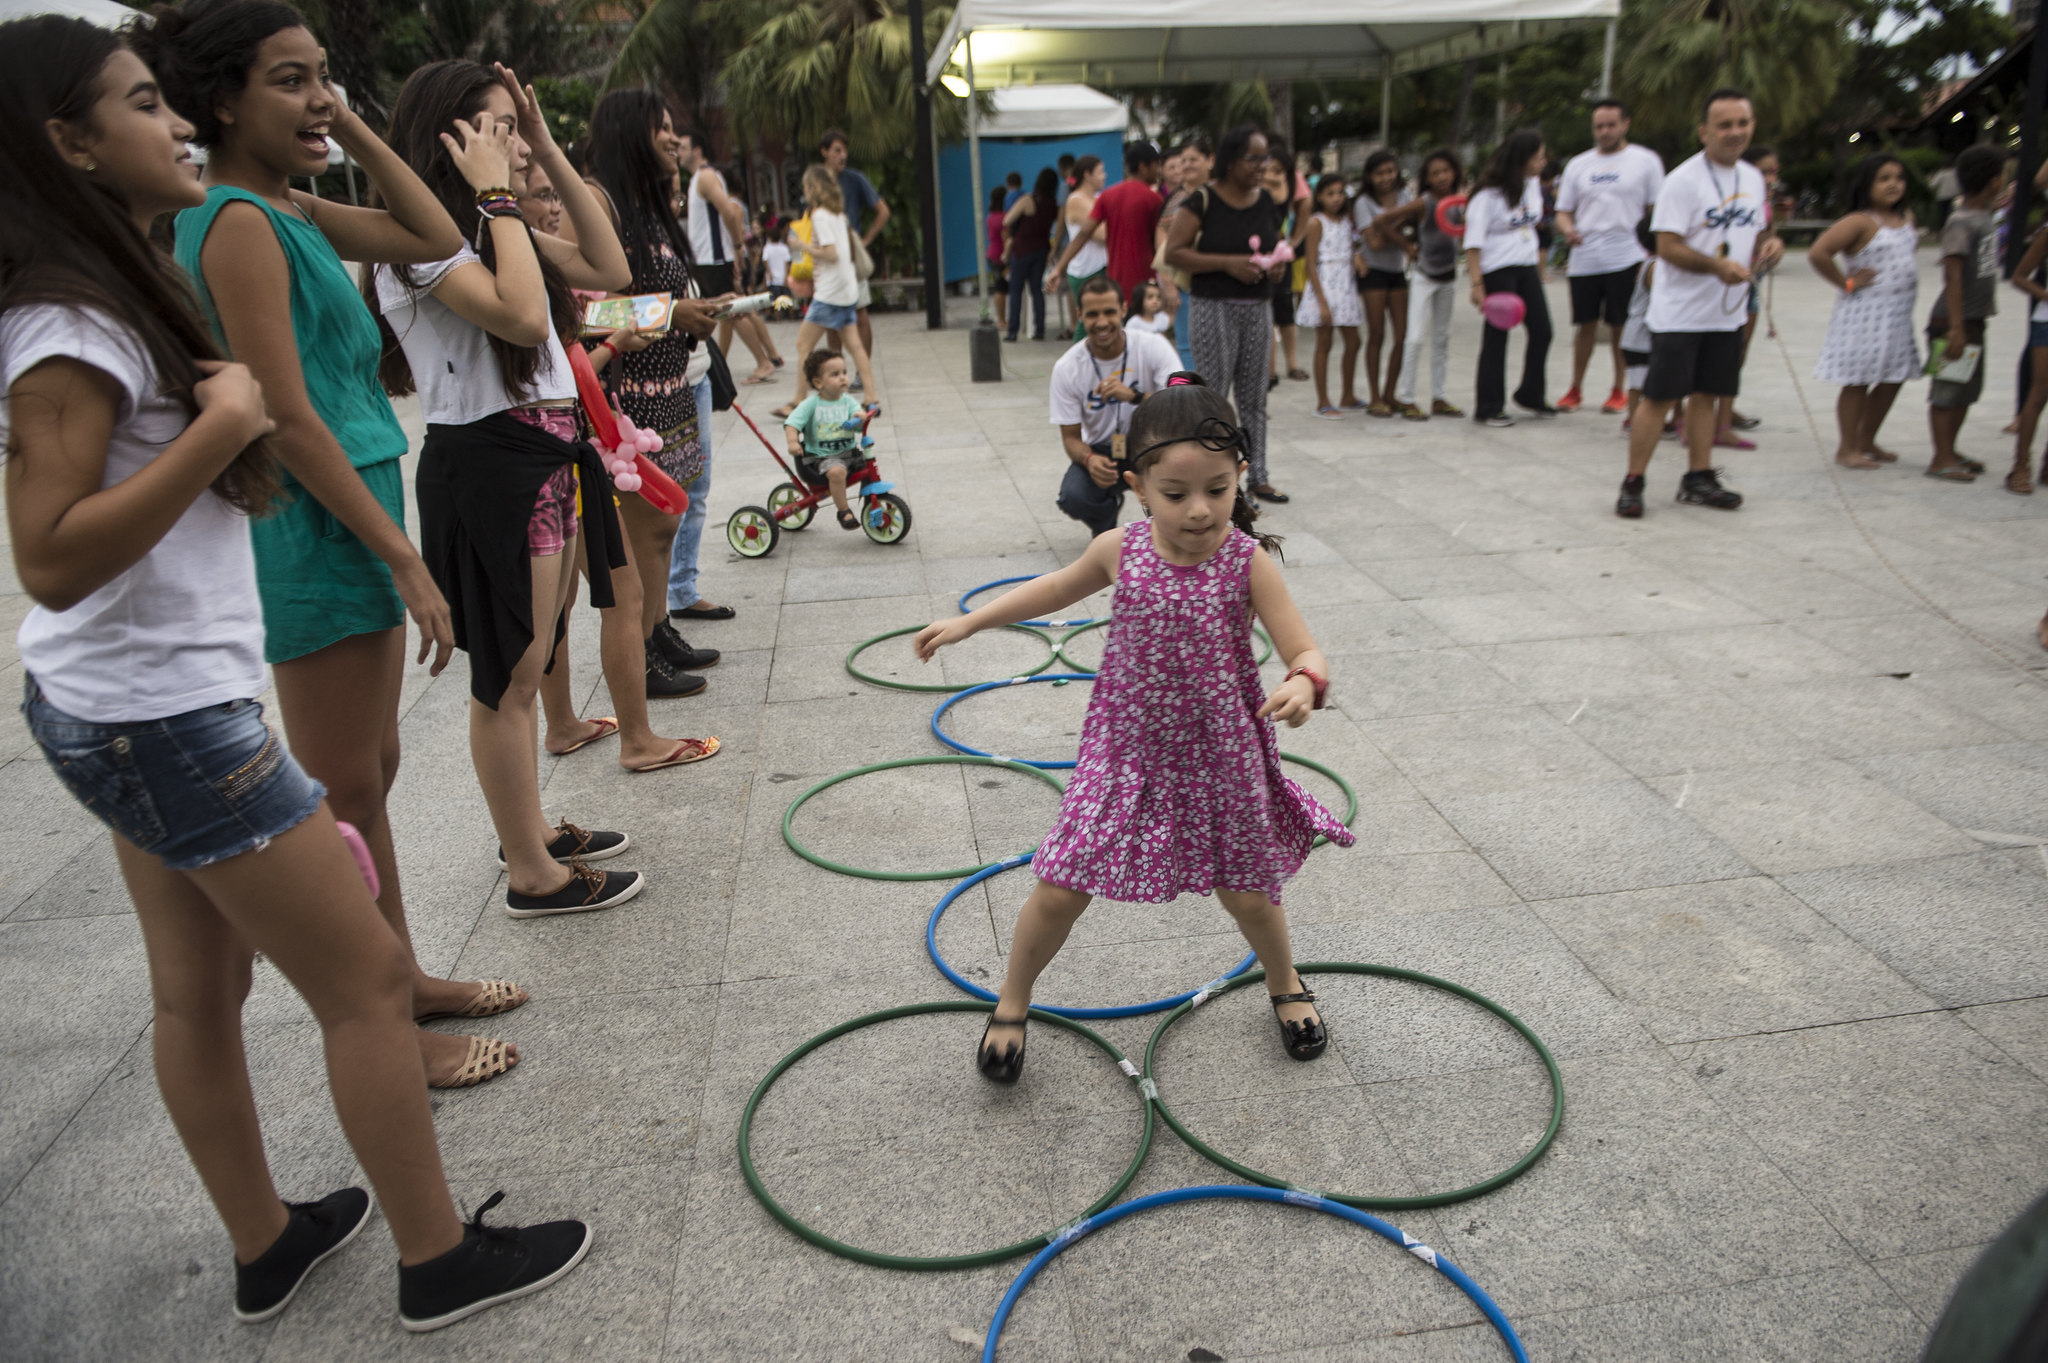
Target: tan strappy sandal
[(486, 1060), (492, 998)]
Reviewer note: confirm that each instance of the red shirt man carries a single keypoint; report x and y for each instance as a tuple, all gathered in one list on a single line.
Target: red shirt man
[(1127, 216)]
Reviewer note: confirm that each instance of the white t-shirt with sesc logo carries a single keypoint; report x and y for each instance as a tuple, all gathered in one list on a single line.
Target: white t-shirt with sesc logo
[(1607, 195), (1719, 212)]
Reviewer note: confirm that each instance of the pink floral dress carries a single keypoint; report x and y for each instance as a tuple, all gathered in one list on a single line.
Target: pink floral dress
[(1178, 788)]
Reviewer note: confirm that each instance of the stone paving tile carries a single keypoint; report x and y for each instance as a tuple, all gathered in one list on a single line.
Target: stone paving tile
[(1925, 1281), (1999, 790), (1911, 1133)]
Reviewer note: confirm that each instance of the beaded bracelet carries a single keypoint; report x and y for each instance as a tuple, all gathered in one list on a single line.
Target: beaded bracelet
[(497, 203)]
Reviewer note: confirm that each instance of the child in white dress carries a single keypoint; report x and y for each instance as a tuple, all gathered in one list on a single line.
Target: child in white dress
[(1870, 347), (1331, 300)]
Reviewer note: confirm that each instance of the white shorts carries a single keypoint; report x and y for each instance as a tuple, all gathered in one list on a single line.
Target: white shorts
[(865, 297), (1635, 374)]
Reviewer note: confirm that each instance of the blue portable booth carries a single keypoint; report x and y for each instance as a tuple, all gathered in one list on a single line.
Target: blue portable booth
[(1032, 126)]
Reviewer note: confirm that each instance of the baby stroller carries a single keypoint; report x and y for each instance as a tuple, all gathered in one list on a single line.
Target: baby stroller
[(753, 531)]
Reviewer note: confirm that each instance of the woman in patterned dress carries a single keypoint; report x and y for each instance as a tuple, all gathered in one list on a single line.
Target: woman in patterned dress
[(1870, 347), (1178, 789)]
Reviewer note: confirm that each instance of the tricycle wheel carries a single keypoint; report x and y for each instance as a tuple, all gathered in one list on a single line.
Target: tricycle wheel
[(783, 495), (752, 532), (885, 518)]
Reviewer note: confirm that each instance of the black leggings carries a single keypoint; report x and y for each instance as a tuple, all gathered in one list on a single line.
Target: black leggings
[(1027, 274), (1493, 349)]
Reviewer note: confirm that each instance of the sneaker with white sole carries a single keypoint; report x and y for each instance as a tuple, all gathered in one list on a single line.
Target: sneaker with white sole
[(585, 892), (493, 1264), (580, 844), (312, 1231)]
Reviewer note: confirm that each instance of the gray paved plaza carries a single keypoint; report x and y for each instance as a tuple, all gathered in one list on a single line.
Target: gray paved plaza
[(1736, 811)]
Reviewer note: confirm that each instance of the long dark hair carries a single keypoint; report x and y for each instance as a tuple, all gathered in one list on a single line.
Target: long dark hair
[(202, 52), (1449, 158), (1505, 172), (1866, 180), (1045, 192), (1188, 409), (1382, 157), (68, 241), (622, 159), (435, 97)]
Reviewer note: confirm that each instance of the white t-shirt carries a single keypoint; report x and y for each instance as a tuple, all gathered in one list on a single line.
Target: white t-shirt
[(1504, 234), (183, 628), (775, 256), (710, 239), (1709, 206), (1159, 325), (452, 362), (836, 282), (1144, 365), (1607, 196), (1392, 259)]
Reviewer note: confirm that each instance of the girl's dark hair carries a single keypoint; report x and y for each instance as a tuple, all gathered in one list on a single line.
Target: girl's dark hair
[(1449, 158), (1045, 190), (1866, 179), (434, 99), (1188, 409), (1084, 167), (996, 197), (1232, 146), (1324, 181), (67, 240), (1382, 157), (622, 129), (1755, 154), (1506, 170), (203, 50)]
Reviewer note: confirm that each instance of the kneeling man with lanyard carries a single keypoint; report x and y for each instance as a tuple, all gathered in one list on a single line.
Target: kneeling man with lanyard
[(1095, 388)]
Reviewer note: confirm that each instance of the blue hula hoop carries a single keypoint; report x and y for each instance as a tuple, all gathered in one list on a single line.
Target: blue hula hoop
[(973, 592), (1128, 1010), (1225, 1192), (958, 696)]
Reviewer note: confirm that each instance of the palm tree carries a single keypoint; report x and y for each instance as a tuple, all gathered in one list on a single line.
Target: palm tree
[(1787, 54)]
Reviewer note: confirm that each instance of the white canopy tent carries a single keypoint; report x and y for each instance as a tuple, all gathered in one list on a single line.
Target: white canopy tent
[(105, 13), (1051, 111), (998, 44)]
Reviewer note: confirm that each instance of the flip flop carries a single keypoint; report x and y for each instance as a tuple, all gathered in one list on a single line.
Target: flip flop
[(1973, 465), (1952, 473), (688, 751), (606, 727), (768, 377)]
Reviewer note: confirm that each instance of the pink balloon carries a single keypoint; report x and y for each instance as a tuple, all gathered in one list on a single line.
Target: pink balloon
[(1504, 310), (628, 482)]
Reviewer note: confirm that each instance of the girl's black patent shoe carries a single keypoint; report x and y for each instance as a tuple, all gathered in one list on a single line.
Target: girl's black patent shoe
[(1302, 1040), (1000, 1068)]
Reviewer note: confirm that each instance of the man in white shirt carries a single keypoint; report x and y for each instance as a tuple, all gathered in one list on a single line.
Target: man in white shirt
[(1708, 221), (1601, 200), (1096, 386), (716, 225)]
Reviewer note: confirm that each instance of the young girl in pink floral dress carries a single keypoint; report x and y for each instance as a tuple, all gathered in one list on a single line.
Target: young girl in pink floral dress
[(1178, 788)]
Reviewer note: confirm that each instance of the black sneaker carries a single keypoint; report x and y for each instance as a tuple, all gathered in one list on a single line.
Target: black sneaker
[(580, 844), (663, 681), (1499, 420), (680, 655), (585, 892), (492, 1264), (1630, 502), (1702, 487), (313, 1231), (1538, 413)]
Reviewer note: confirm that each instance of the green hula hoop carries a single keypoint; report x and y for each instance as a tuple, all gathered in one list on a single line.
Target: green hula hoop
[(956, 759), (938, 1261), (1508, 1175), (866, 644), (1060, 649)]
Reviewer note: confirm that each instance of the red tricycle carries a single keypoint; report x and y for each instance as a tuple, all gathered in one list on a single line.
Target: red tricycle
[(753, 531)]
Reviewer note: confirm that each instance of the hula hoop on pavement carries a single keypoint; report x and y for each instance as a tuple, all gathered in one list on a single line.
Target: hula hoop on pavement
[(1508, 1175), (916, 1261), (1060, 649), (1128, 1010), (973, 592), (789, 815), (866, 644), (1231, 1192)]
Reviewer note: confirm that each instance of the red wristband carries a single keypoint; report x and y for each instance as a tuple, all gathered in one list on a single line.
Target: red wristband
[(1321, 684)]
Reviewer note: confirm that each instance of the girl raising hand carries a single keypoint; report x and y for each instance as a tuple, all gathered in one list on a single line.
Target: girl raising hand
[(1178, 788)]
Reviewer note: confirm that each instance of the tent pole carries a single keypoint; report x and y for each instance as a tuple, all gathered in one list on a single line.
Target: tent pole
[(1500, 101), (974, 176), (927, 173), (1386, 96), (1607, 64)]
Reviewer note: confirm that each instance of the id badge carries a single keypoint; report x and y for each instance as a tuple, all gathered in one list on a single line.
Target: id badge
[(1116, 447), (1722, 250)]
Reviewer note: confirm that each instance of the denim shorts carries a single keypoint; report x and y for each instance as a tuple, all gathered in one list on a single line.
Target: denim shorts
[(189, 790), (832, 316)]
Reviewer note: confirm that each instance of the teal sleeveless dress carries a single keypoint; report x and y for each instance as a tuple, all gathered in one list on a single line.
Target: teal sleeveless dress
[(318, 582)]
